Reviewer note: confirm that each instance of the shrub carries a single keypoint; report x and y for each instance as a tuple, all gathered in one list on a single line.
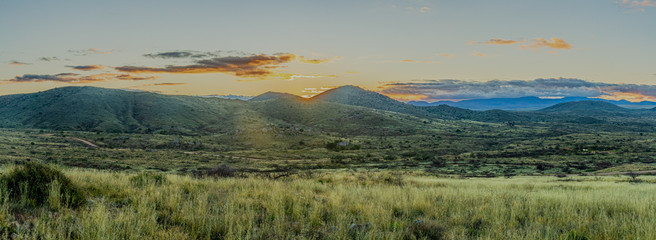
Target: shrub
[(220, 171), (146, 178), (426, 230), (35, 184)]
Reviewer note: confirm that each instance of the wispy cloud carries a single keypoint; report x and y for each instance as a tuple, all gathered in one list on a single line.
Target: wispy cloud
[(499, 41), (168, 84), (555, 43), (255, 66), (49, 59), (87, 67), (304, 59), (88, 51), (418, 61), (446, 55), (478, 54), (638, 5), (433, 90), (180, 54), (73, 78), (17, 63)]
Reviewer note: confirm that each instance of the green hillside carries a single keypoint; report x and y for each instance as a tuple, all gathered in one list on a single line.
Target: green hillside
[(112, 110), (355, 96)]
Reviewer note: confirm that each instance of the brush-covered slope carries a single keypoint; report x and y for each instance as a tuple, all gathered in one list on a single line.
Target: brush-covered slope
[(355, 96), (587, 108), (272, 95), (90, 108), (337, 118), (112, 110)]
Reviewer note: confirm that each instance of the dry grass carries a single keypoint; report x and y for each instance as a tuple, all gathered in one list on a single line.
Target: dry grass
[(344, 206)]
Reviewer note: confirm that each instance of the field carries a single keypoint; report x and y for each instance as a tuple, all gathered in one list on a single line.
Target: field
[(342, 205), (475, 181)]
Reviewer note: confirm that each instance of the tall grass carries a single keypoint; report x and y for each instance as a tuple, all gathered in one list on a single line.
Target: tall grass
[(344, 206)]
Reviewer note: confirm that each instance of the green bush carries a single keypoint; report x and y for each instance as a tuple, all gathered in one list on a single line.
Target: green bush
[(35, 184)]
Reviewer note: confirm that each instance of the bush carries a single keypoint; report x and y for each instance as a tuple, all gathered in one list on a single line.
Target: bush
[(426, 230), (220, 171), (34, 185), (146, 178)]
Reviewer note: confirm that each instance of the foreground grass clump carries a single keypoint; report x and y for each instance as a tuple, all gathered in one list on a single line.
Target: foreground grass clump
[(349, 205), (34, 184)]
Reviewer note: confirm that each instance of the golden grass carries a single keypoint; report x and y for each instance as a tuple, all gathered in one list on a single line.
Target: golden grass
[(346, 205)]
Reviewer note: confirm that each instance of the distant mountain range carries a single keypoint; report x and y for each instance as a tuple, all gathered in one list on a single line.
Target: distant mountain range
[(346, 110), (526, 103)]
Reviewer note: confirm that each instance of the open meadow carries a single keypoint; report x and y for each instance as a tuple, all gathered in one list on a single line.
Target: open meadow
[(335, 205)]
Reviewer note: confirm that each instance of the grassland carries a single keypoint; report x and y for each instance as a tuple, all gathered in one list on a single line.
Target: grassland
[(340, 205)]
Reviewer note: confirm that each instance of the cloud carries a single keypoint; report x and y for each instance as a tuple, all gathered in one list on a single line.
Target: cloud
[(478, 54), (417, 61), (446, 55), (73, 78), (291, 76), (49, 59), (17, 63), (555, 43), (168, 84), (638, 5), (424, 9), (88, 51), (315, 61), (87, 67), (433, 90), (499, 41), (133, 78), (254, 66), (179, 54)]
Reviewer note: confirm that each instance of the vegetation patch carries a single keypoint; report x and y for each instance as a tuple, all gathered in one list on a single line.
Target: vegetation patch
[(34, 185)]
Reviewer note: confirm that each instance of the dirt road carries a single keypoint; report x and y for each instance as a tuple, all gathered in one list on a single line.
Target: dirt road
[(85, 142)]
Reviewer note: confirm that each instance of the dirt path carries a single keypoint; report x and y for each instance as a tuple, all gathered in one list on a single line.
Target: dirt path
[(85, 142)]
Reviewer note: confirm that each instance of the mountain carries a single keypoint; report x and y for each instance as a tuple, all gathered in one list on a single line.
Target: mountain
[(526, 103), (587, 108), (113, 110), (355, 96), (273, 95)]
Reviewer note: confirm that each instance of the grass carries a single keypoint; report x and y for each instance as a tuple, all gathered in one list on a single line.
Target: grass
[(343, 205)]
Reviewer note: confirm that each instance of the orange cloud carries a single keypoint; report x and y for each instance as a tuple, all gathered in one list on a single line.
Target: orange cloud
[(477, 54), (407, 97), (446, 55), (313, 61), (255, 66), (499, 41), (555, 43)]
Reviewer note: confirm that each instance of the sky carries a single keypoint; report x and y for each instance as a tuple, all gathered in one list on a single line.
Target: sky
[(406, 49)]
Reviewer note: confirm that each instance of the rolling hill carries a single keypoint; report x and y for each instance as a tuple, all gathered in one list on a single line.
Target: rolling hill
[(355, 96), (527, 103), (588, 108), (113, 110)]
